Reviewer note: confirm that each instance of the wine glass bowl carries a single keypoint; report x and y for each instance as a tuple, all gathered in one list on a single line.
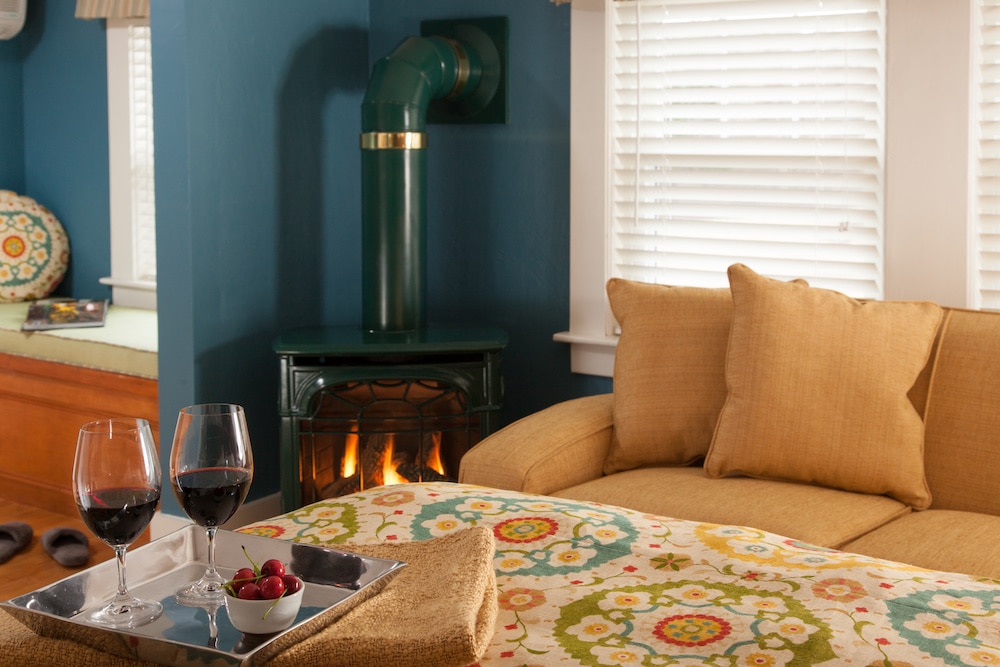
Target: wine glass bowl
[(211, 469), (116, 485)]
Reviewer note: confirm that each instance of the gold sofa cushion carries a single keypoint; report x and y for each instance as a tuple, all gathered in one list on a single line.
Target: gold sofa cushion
[(962, 439), (669, 372), (818, 388), (937, 540), (813, 514)]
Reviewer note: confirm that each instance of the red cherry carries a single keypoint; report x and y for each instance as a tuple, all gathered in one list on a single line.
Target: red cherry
[(242, 576), (272, 567), (250, 591), (271, 587), (292, 584)]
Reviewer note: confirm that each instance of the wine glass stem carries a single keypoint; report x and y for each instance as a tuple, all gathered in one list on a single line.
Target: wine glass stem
[(212, 573), (120, 557)]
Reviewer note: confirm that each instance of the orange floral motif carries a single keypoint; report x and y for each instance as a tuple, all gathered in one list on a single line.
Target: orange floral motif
[(393, 498), (520, 599), (13, 246), (838, 590), (692, 629), (525, 529), (269, 530)]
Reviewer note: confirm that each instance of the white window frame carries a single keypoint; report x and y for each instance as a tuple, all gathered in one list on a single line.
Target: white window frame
[(928, 161), (129, 287)]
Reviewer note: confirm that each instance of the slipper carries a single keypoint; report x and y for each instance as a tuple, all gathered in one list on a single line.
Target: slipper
[(14, 536), (68, 546)]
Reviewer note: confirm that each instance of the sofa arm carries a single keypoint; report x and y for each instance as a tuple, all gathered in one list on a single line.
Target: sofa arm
[(558, 447)]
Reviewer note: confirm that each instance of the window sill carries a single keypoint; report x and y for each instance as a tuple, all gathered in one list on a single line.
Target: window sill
[(132, 293), (590, 355)]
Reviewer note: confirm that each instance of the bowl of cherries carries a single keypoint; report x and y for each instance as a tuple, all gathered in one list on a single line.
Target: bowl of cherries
[(263, 599)]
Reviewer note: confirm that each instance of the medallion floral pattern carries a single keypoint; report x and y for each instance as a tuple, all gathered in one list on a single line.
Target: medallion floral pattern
[(589, 584), (34, 249)]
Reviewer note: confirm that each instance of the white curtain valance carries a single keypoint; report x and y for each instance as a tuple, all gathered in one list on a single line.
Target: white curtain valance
[(112, 9)]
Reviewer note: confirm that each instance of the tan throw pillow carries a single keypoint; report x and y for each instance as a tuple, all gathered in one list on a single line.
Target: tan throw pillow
[(818, 388), (669, 376)]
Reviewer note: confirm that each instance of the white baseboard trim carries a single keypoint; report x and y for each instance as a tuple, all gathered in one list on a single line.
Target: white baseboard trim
[(255, 510)]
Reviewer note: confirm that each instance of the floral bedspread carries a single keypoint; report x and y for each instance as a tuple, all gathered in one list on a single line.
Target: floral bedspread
[(589, 584)]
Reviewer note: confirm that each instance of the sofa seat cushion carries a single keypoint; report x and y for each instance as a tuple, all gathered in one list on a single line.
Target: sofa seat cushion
[(817, 515), (818, 386), (937, 540)]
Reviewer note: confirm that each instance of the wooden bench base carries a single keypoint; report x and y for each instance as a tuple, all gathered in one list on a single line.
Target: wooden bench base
[(42, 406)]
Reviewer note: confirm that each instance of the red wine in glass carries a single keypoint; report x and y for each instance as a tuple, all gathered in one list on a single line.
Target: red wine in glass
[(118, 516), (116, 486), (210, 496), (211, 469)]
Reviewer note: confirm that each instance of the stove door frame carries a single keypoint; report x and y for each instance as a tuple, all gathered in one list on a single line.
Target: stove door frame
[(313, 359)]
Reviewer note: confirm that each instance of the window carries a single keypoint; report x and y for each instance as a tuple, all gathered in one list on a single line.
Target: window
[(914, 238), (130, 131), (747, 132), (987, 166)]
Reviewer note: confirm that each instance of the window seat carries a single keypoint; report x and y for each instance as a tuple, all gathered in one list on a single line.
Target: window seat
[(55, 381), (127, 343)]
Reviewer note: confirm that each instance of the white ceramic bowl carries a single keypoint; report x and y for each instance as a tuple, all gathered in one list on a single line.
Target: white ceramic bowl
[(248, 615)]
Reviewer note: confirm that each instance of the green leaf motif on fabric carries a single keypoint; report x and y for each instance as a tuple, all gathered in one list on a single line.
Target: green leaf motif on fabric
[(683, 619), (670, 561), (326, 522)]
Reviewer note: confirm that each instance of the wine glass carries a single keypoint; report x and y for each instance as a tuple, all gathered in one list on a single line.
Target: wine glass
[(116, 483), (211, 467)]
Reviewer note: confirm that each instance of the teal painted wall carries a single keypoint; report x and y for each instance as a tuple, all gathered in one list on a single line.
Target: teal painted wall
[(65, 126), (12, 116), (54, 132), (258, 193)]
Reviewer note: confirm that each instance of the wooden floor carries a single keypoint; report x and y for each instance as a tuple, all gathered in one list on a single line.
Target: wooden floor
[(33, 568)]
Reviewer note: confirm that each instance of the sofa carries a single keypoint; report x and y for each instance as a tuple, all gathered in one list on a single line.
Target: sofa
[(867, 427)]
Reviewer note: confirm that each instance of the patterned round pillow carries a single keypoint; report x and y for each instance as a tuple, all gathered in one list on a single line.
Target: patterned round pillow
[(34, 249)]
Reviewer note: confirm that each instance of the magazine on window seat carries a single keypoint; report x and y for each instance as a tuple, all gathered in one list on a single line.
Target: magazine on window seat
[(46, 314)]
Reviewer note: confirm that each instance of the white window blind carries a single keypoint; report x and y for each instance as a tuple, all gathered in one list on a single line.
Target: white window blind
[(132, 174), (987, 201), (143, 175), (747, 131)]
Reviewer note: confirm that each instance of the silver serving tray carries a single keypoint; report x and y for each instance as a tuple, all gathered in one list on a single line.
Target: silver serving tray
[(335, 582)]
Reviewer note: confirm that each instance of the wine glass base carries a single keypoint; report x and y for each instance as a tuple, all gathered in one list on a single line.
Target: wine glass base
[(128, 613), (201, 592)]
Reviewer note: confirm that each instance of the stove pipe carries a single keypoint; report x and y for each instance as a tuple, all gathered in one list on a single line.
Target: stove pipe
[(393, 173)]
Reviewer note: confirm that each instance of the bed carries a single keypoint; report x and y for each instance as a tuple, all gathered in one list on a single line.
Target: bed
[(498, 578), (587, 584)]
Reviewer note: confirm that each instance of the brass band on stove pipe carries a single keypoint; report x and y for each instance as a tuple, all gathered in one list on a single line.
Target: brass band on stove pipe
[(463, 70), (393, 140)]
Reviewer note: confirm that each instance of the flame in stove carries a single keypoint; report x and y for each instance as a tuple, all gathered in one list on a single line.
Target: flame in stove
[(378, 459), (349, 464), (434, 457), (389, 474)]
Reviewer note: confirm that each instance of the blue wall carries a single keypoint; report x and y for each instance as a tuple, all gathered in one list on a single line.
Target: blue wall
[(256, 195), (258, 190), (65, 126), (12, 116)]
